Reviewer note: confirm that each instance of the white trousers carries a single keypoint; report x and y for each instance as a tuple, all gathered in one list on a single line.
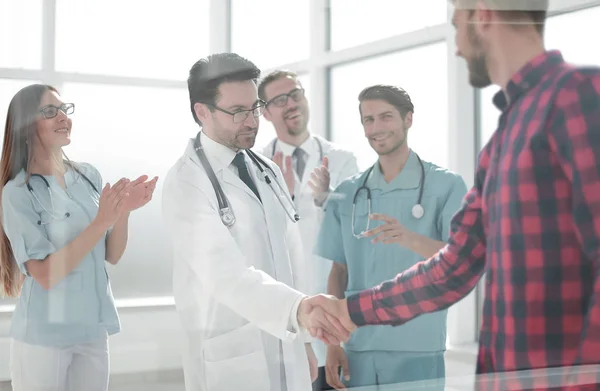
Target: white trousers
[(78, 368)]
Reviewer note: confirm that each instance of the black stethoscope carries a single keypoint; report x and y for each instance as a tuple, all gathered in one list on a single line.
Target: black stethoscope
[(225, 212), (319, 145), (417, 209), (67, 214)]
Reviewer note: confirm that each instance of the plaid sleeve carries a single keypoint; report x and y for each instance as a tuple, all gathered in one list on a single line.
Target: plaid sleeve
[(574, 138), (434, 284)]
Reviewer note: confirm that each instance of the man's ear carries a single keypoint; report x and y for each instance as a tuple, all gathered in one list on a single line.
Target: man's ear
[(408, 119), (202, 112)]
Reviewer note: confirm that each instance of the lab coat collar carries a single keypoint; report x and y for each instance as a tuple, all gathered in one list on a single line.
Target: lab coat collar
[(219, 156), (408, 178)]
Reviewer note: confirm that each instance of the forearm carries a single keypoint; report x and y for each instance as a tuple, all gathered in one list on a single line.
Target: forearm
[(337, 282), (116, 242), (431, 285), (424, 246), (61, 263)]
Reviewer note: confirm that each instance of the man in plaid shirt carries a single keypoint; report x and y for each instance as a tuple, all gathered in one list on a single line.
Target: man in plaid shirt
[(532, 219)]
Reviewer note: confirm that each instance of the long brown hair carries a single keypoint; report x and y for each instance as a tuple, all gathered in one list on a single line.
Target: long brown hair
[(21, 126)]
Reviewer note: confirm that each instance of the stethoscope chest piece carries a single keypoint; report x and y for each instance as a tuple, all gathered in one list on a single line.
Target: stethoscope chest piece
[(418, 211), (227, 217)]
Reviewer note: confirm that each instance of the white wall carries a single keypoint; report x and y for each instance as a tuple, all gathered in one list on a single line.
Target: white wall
[(149, 341)]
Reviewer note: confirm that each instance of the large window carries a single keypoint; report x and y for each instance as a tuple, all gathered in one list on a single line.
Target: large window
[(271, 32), (407, 69), (133, 38), (21, 34), (568, 33), (355, 22), (130, 131)]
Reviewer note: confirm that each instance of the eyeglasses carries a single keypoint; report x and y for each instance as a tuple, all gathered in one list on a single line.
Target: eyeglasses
[(281, 100), (242, 115), (51, 111)]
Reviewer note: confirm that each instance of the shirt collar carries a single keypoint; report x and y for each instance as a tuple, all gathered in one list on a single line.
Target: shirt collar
[(408, 178), (219, 156), (527, 78), (308, 146)]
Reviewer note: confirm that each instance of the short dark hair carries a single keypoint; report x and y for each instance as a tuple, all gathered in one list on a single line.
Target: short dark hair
[(513, 11), (271, 77), (207, 74), (393, 95)]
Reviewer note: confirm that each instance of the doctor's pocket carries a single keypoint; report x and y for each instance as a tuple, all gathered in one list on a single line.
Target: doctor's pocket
[(236, 361)]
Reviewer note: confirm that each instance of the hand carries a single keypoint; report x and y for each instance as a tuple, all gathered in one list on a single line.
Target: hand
[(389, 232), (287, 170), (319, 181), (336, 358), (112, 202), (140, 193), (313, 364), (326, 318)]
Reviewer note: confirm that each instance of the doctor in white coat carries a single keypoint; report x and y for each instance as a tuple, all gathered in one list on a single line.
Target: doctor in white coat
[(299, 153), (243, 322)]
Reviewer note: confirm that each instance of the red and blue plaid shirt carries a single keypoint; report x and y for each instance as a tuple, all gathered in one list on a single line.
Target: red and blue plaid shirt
[(532, 224)]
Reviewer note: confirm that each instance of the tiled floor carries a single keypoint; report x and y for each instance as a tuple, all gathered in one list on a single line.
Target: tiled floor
[(457, 365)]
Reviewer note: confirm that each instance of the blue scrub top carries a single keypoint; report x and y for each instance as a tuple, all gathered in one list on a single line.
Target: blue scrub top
[(80, 308), (371, 264)]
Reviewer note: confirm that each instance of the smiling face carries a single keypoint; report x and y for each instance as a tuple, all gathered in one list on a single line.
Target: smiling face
[(292, 117), (53, 133), (384, 127)]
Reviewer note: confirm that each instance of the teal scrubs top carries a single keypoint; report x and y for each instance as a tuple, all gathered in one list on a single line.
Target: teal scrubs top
[(371, 264), (80, 308)]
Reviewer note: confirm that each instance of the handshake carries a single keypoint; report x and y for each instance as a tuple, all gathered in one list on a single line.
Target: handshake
[(326, 318)]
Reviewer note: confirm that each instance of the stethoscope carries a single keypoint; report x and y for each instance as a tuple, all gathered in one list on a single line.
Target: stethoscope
[(225, 212), (319, 145), (417, 209), (52, 214)]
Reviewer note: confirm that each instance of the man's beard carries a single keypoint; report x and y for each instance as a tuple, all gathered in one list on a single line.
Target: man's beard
[(479, 76)]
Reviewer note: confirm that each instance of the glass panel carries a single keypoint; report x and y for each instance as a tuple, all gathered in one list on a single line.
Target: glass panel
[(266, 130), (270, 32), (355, 22), (157, 39), (21, 34), (428, 91), (130, 131), (565, 32)]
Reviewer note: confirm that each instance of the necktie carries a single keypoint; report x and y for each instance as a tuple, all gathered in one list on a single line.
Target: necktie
[(244, 174), (299, 155)]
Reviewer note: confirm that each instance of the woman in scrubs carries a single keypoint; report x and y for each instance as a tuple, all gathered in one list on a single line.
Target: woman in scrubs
[(60, 225)]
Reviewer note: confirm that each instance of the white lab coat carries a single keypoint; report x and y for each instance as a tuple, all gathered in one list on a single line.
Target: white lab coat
[(312, 273), (232, 287)]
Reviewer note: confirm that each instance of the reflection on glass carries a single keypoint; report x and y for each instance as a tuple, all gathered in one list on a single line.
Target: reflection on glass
[(130, 131), (266, 131), (156, 39), (566, 33), (21, 34), (408, 69), (270, 32), (355, 22), (8, 89)]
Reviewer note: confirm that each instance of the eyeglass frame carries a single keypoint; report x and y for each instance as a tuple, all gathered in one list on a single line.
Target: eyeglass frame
[(287, 96), (65, 107), (260, 104)]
